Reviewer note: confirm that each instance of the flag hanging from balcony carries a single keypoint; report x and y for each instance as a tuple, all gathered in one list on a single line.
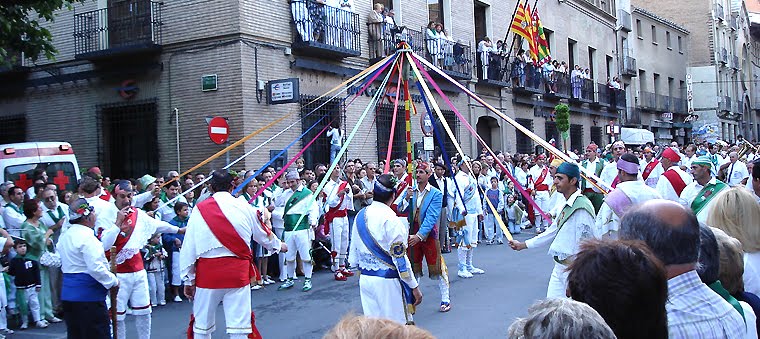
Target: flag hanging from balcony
[(541, 48), (522, 25)]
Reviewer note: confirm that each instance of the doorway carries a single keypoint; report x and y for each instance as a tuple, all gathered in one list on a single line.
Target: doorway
[(488, 129)]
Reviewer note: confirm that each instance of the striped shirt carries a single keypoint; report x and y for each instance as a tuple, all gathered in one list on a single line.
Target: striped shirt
[(695, 311)]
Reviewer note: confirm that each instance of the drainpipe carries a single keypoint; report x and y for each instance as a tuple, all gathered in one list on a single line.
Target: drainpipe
[(176, 123)]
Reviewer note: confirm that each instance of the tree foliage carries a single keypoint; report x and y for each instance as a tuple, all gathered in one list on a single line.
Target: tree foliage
[(22, 31), (562, 117)]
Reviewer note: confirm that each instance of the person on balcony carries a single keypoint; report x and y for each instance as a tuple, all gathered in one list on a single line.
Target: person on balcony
[(576, 80), (460, 58), (445, 46), (484, 48), (302, 19), (432, 43), (375, 22), (518, 69)]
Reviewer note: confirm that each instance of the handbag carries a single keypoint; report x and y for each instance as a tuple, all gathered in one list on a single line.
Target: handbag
[(50, 259)]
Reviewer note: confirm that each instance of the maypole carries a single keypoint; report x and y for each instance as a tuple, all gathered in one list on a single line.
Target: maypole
[(407, 106)]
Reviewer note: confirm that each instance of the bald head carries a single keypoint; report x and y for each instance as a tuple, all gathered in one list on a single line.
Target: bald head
[(669, 229)]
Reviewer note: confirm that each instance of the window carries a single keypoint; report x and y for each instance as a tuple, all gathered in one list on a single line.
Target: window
[(12, 129), (591, 61), (480, 17), (435, 11), (549, 38), (656, 81), (680, 45), (667, 40), (596, 135), (550, 130), (638, 29), (524, 143), (333, 109), (654, 35), (576, 138), (55, 171), (571, 46), (384, 120), (453, 122)]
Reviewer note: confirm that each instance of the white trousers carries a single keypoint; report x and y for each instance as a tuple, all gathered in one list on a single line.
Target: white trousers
[(383, 298), (32, 304), (133, 292), (542, 200), (156, 286), (3, 304), (471, 227), (298, 242), (339, 238), (492, 228), (280, 256), (558, 282), (237, 310)]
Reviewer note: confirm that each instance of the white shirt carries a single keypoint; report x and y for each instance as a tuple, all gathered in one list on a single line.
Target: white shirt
[(691, 192), (303, 207), (167, 211), (387, 230), (48, 221), (565, 242), (654, 176), (105, 212), (591, 168), (13, 219), (333, 199), (81, 252), (535, 173), (200, 242), (607, 221), (735, 173), (665, 188), (335, 137), (609, 173)]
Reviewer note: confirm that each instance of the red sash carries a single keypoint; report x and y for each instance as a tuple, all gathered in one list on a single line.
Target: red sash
[(540, 186), (224, 272), (135, 263), (335, 212), (400, 188), (650, 167), (106, 196), (675, 181)]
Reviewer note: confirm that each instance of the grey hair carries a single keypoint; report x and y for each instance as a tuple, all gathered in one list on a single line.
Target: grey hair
[(673, 244), (560, 318)]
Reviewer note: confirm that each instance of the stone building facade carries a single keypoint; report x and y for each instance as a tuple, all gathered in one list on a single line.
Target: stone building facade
[(126, 88)]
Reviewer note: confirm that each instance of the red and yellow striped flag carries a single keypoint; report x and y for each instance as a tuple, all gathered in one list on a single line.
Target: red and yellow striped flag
[(522, 24)]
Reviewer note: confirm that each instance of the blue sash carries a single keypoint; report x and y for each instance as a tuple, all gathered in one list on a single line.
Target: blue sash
[(396, 263), (82, 287)]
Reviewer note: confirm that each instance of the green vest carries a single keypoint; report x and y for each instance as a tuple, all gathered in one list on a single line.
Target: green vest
[(581, 202), (597, 171), (291, 220), (706, 195)]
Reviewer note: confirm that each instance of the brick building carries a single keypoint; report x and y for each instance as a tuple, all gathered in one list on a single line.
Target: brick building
[(127, 89)]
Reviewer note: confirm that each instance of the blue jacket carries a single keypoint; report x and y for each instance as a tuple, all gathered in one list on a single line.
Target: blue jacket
[(430, 210)]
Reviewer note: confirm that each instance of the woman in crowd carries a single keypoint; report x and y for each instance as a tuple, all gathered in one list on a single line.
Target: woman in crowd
[(737, 213), (38, 239)]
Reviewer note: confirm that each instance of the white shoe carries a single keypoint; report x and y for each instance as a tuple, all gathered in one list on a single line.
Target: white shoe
[(177, 299), (162, 302), (256, 287), (269, 280), (475, 270), (41, 324), (7, 331), (53, 320), (464, 274), (24, 326)]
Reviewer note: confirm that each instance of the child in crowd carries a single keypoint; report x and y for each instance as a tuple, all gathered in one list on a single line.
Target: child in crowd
[(28, 284), (172, 244), (153, 256), (494, 234), (3, 303), (514, 211)]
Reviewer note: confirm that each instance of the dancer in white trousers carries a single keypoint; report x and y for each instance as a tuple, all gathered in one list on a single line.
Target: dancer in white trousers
[(300, 221), (574, 224), (387, 285), (216, 259), (466, 205), (338, 201)]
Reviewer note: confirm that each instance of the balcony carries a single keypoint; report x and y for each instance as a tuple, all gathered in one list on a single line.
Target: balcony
[(498, 71), (662, 103), (324, 31), (453, 58), (647, 100), (723, 56), (735, 63), (629, 67), (582, 90), (724, 104), (126, 29), (678, 105), (384, 39), (624, 20), (611, 98), (734, 22), (16, 64), (719, 12)]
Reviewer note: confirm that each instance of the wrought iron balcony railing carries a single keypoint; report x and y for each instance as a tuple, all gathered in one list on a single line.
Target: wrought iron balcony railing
[(453, 57), (384, 39), (125, 28), (325, 31)]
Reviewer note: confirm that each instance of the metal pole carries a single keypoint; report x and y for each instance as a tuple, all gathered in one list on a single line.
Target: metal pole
[(509, 28)]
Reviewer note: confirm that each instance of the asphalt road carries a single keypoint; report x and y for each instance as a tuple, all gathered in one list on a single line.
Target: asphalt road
[(482, 307)]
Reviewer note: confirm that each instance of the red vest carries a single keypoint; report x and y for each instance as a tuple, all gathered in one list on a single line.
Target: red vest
[(649, 168), (675, 181), (135, 263)]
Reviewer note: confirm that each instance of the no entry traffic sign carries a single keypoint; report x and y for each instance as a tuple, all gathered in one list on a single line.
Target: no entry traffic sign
[(218, 130)]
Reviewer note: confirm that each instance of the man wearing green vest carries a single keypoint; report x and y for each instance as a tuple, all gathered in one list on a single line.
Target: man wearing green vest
[(300, 215), (596, 165), (574, 224), (700, 193)]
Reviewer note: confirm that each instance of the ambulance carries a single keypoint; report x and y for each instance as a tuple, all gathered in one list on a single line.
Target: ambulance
[(19, 161)]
